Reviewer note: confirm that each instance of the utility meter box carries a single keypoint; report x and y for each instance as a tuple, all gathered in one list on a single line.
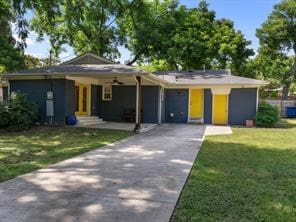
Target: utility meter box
[(49, 108), (49, 95)]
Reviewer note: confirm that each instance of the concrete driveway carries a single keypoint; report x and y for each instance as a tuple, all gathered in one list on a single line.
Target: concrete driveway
[(137, 179)]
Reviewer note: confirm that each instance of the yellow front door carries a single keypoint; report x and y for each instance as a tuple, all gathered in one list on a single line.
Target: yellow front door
[(81, 99), (220, 109), (196, 103)]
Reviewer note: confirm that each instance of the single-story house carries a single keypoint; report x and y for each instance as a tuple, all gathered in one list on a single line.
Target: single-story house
[(90, 85)]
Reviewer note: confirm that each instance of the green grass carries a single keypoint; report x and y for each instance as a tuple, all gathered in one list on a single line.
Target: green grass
[(36, 148), (247, 176)]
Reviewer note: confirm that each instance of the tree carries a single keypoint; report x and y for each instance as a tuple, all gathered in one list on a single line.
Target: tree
[(87, 26), (11, 56), (187, 38), (32, 62), (230, 47), (277, 37)]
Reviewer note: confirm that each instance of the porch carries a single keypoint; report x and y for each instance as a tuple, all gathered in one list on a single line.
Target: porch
[(121, 101)]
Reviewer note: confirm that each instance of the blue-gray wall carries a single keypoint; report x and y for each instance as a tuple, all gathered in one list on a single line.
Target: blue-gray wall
[(207, 106), (124, 97), (36, 91), (242, 105), (94, 99), (176, 103), (69, 97)]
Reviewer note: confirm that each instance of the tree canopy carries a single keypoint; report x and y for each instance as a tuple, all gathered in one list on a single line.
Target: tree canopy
[(152, 30), (277, 37), (187, 38), (11, 56)]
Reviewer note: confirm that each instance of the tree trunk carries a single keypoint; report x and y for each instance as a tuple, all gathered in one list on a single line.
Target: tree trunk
[(285, 91)]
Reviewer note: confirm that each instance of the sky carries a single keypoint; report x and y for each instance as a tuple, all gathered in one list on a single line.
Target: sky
[(247, 15)]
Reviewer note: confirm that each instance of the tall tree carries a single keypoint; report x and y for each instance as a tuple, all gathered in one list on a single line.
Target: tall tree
[(86, 25), (11, 56), (277, 37), (187, 38)]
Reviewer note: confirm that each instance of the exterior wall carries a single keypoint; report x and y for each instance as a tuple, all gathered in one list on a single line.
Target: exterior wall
[(94, 100), (36, 91), (242, 105), (208, 103), (124, 97), (70, 97), (176, 104)]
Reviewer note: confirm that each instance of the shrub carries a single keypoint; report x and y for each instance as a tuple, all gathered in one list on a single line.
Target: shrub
[(18, 113), (267, 115)]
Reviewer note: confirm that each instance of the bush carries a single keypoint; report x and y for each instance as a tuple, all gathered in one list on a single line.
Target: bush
[(267, 115), (18, 113)]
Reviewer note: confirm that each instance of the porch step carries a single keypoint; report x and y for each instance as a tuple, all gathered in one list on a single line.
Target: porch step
[(88, 120), (196, 121)]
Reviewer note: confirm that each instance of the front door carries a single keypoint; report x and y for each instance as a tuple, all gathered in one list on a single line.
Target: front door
[(220, 109), (81, 99), (196, 103)]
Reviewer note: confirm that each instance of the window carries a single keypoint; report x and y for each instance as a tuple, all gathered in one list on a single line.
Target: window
[(107, 93)]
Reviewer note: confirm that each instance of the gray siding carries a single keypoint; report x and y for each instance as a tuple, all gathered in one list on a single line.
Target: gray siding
[(176, 103), (70, 97), (150, 101), (242, 105), (124, 97), (94, 100), (208, 106), (36, 91)]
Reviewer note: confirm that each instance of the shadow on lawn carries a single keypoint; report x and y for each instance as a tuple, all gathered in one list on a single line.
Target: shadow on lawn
[(238, 182), (286, 123), (24, 152)]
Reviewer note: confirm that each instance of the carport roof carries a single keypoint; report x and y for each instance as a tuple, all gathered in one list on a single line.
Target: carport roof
[(207, 77)]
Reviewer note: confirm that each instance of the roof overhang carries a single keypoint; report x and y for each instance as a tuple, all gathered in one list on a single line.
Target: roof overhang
[(202, 86)]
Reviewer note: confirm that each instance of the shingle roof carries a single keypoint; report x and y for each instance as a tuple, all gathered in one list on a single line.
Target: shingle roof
[(82, 68), (208, 77)]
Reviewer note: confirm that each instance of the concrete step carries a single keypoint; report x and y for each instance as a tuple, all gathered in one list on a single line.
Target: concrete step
[(196, 121), (89, 121), (87, 117)]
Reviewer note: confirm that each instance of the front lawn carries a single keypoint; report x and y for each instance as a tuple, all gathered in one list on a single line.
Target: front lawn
[(247, 176), (36, 148)]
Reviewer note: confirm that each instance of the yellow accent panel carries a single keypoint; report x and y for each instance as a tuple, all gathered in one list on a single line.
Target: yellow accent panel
[(220, 109), (83, 102), (196, 103)]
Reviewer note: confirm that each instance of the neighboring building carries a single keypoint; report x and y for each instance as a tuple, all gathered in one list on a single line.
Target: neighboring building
[(94, 86)]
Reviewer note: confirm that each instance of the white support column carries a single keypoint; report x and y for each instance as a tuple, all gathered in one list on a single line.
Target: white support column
[(138, 104), (257, 99), (1, 93), (159, 104)]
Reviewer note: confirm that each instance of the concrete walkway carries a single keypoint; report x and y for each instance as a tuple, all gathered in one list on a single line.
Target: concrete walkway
[(136, 179), (212, 130)]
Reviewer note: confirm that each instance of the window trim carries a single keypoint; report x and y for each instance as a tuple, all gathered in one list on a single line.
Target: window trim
[(104, 93)]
